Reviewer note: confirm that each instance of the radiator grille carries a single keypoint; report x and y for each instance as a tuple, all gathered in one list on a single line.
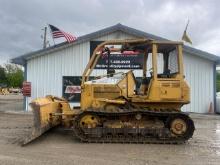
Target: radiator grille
[(171, 84)]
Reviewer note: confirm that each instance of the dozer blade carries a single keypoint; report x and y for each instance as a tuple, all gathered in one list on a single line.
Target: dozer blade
[(43, 108)]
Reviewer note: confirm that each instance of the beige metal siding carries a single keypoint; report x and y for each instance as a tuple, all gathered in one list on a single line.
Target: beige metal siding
[(115, 35), (199, 75)]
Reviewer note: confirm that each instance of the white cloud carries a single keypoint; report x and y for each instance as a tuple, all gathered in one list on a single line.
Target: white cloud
[(210, 42), (21, 21)]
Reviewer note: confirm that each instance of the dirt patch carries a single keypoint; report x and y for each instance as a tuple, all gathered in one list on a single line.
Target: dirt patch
[(60, 147)]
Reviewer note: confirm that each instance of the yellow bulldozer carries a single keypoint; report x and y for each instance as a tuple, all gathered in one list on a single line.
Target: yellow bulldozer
[(113, 109)]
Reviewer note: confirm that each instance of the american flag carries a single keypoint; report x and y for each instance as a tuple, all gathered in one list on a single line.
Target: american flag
[(57, 33)]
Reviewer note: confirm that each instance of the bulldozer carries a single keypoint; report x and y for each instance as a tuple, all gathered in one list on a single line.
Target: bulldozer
[(113, 110)]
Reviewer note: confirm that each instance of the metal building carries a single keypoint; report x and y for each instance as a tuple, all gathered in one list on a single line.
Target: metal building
[(48, 69)]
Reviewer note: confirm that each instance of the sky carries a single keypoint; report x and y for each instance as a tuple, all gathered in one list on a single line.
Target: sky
[(22, 21)]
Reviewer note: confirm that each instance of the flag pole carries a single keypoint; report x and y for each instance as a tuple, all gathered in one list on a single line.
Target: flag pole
[(187, 25), (51, 34), (45, 37), (185, 37)]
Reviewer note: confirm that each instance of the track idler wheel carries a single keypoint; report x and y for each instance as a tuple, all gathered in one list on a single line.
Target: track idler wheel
[(178, 126), (181, 126)]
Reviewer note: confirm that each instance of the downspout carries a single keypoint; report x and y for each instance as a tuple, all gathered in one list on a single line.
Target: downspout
[(214, 85)]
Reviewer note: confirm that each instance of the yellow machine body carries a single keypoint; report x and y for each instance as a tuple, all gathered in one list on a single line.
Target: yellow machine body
[(172, 93), (113, 100)]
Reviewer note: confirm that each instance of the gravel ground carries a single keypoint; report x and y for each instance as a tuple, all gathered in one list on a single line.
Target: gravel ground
[(60, 147), (11, 102)]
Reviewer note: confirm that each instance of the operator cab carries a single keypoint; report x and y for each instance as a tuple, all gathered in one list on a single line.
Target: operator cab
[(160, 62), (164, 65)]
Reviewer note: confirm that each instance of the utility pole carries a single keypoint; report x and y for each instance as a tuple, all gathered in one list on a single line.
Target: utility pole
[(45, 37)]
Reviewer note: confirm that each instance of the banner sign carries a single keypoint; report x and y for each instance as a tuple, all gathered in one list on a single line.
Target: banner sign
[(72, 88), (118, 60)]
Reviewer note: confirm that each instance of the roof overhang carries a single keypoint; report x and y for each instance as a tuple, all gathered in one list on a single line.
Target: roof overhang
[(21, 60)]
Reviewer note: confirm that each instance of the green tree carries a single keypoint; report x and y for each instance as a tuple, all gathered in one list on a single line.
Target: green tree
[(14, 75), (3, 79)]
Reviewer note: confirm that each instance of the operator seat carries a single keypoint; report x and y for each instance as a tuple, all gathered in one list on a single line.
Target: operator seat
[(144, 85)]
